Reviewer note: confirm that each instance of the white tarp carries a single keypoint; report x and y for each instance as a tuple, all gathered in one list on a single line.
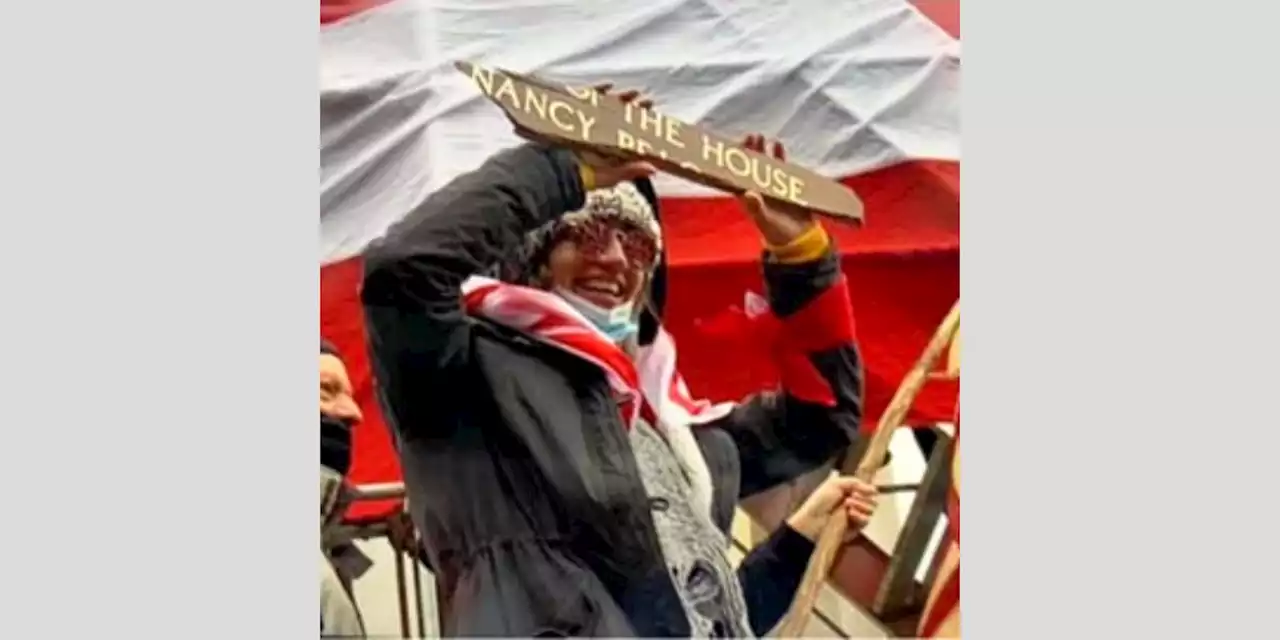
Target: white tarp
[(849, 85)]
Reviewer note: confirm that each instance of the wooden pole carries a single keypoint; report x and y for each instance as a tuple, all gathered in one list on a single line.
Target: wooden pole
[(832, 535)]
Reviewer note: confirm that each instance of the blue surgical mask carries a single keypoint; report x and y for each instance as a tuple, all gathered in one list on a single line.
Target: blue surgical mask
[(618, 323)]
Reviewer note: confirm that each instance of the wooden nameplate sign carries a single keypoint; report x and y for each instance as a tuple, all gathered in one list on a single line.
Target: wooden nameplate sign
[(583, 118)]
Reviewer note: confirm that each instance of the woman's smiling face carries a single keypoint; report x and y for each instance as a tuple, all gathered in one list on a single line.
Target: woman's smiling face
[(601, 260)]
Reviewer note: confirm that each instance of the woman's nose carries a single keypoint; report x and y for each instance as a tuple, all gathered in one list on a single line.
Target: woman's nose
[(612, 252)]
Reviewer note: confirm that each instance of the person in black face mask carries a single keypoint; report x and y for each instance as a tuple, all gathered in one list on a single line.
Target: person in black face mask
[(339, 414)]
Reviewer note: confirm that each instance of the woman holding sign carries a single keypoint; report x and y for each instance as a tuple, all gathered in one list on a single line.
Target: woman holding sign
[(564, 481)]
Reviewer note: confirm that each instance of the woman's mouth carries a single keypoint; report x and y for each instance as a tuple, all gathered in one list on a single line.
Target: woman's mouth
[(603, 292)]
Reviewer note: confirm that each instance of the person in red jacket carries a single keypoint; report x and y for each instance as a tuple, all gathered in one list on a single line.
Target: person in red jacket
[(564, 480)]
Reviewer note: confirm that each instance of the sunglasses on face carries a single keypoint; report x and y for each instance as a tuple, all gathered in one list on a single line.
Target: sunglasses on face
[(592, 237)]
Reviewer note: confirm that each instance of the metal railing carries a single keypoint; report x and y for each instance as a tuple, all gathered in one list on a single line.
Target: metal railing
[(338, 533), (899, 593)]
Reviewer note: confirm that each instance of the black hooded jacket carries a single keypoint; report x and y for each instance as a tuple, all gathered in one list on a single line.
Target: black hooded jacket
[(519, 471)]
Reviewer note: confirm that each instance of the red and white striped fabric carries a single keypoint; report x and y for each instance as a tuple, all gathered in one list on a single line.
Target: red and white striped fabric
[(871, 98), (648, 387)]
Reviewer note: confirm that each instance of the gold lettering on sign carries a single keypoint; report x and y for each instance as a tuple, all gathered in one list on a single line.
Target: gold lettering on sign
[(795, 187), (508, 88), (626, 140), (560, 108), (673, 133), (653, 122), (709, 147), (651, 119), (535, 102), (484, 78), (571, 115), (631, 143), (741, 168), (587, 122), (586, 94), (760, 174), (778, 181), (770, 178)]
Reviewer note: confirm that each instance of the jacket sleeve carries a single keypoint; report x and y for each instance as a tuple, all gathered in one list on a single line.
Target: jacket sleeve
[(416, 327), (785, 433), (770, 576)]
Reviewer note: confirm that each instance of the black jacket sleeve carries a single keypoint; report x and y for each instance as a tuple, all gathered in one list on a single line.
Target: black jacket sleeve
[(782, 434), (417, 329), (770, 576)]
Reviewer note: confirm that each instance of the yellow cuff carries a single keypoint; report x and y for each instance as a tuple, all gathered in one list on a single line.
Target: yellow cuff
[(588, 175), (807, 247)]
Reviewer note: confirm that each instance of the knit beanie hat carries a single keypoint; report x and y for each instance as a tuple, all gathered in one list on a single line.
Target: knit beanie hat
[(622, 202)]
